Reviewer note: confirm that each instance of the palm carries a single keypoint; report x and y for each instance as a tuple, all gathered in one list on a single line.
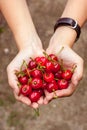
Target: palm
[(15, 65), (69, 58)]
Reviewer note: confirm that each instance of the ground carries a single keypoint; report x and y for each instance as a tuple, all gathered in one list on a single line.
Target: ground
[(62, 114)]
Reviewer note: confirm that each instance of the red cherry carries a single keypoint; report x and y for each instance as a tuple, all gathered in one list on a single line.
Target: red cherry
[(58, 74), (62, 83), (53, 57), (48, 77), (49, 66), (67, 74), (56, 67), (23, 79), (25, 90), (52, 86), (32, 64), (41, 60), (37, 59), (36, 83), (41, 92), (36, 73), (35, 96), (44, 86)]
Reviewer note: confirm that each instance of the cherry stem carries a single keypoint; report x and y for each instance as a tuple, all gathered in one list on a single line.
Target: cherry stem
[(37, 112), (29, 80), (55, 95), (19, 84), (56, 79), (48, 57), (62, 65), (31, 58), (25, 64), (74, 67), (60, 50)]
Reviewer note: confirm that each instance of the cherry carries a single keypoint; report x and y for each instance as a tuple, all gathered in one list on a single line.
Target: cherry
[(58, 74), (56, 67), (62, 83), (36, 83), (23, 79), (67, 74), (37, 59), (48, 77), (36, 73), (43, 73), (41, 60), (52, 87), (35, 96), (53, 57), (44, 86), (49, 66), (41, 92), (25, 90), (32, 64)]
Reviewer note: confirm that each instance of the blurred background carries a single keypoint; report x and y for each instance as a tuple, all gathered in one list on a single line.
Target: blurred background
[(62, 114)]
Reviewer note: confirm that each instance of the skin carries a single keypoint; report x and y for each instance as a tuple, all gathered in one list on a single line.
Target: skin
[(65, 37), (29, 44)]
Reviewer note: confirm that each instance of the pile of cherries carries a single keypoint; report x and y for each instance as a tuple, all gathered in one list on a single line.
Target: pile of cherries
[(42, 73)]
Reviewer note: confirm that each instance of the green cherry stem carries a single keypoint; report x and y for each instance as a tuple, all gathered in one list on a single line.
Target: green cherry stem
[(73, 68), (37, 112), (55, 95), (60, 51), (48, 57)]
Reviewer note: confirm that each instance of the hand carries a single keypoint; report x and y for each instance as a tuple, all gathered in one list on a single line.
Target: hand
[(70, 58), (31, 51)]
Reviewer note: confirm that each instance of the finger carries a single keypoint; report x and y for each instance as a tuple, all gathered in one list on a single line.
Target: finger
[(22, 99), (12, 79), (34, 105), (45, 101), (66, 92), (40, 101), (78, 73), (40, 53), (49, 96)]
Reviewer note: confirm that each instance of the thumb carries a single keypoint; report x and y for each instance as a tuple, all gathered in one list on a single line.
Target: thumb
[(78, 73)]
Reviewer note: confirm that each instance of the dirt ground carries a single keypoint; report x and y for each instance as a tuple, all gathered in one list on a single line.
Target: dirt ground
[(62, 114)]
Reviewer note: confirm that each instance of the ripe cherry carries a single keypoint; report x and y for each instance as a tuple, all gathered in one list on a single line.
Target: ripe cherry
[(41, 60), (25, 90), (58, 74), (36, 83), (48, 77), (49, 66), (53, 57), (67, 74), (62, 83), (52, 87), (32, 64), (56, 67), (36, 73), (44, 86), (35, 96), (41, 92), (23, 79)]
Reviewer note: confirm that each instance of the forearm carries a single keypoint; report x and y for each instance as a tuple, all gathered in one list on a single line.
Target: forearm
[(18, 17), (76, 9)]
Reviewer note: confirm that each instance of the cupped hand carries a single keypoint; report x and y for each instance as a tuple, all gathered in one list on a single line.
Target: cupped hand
[(69, 58), (30, 51)]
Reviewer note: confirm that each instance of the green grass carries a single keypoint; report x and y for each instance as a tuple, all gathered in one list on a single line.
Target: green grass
[(2, 102), (2, 29)]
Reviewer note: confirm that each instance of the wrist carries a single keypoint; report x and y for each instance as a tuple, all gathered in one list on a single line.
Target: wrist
[(64, 35), (31, 39)]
